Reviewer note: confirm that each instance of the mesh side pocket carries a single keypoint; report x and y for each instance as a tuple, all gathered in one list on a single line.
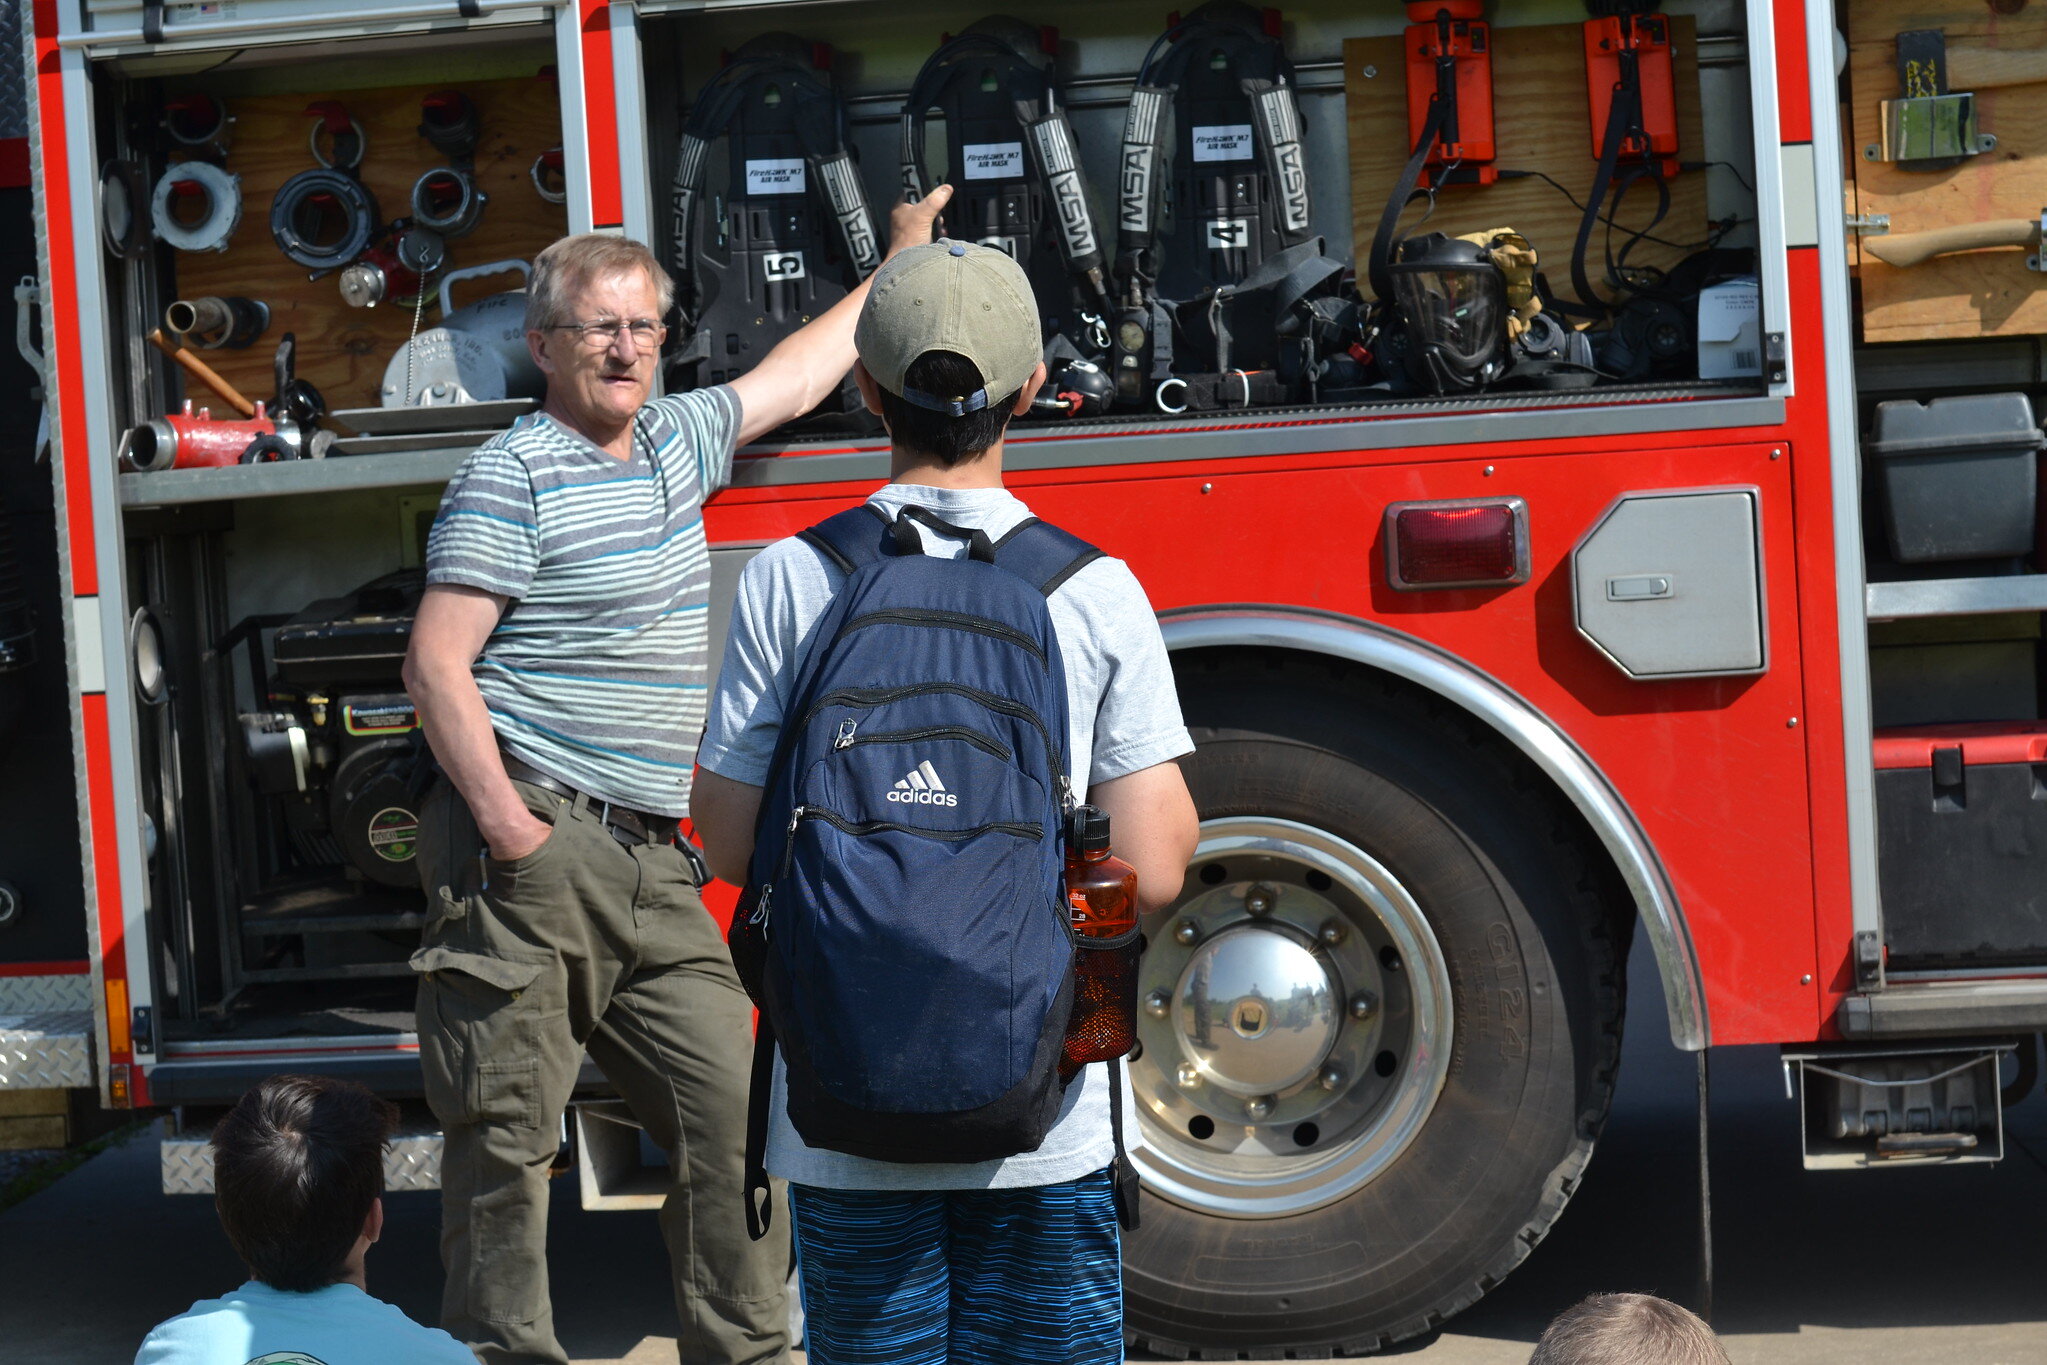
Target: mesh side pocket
[(1103, 1026)]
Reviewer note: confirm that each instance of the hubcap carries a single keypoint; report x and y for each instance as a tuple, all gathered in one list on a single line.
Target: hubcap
[(1297, 1022), (1257, 1010)]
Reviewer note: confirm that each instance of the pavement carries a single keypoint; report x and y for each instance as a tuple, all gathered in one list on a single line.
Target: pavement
[(1812, 1268)]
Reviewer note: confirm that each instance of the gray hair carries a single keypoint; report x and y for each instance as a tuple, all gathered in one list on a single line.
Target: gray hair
[(1627, 1329), (566, 265)]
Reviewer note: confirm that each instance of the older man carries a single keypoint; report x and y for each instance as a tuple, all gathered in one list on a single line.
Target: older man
[(558, 663)]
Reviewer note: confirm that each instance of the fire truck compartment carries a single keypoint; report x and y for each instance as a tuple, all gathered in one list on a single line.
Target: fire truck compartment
[(1962, 814), (1872, 1109)]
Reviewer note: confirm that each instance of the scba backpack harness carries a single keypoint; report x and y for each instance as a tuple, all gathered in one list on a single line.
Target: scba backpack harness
[(788, 235), (905, 929)]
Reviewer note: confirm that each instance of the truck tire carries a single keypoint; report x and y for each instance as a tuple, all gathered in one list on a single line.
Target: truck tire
[(1379, 1030)]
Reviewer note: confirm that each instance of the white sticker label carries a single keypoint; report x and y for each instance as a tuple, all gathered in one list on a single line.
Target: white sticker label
[(1229, 232), (1005, 245), (1223, 142), (781, 175), (993, 160), (783, 265)]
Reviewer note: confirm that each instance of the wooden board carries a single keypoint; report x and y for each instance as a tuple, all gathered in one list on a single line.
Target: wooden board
[(343, 350), (1543, 124), (1969, 294)]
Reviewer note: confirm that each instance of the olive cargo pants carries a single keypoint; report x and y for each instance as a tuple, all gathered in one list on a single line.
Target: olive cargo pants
[(584, 944)]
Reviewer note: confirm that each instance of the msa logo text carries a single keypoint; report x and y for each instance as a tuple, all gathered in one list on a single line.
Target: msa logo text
[(922, 788)]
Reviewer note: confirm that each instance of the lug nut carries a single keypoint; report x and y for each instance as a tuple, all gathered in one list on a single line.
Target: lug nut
[(1157, 1003), (1260, 1108), (1186, 931), (1332, 932), (1364, 1005), (1332, 1078), (1187, 1078), (1258, 900)]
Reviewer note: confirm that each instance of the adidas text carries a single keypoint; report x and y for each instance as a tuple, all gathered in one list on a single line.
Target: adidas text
[(924, 798), (922, 788)]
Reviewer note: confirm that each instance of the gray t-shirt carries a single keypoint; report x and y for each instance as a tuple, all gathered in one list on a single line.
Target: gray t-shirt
[(1124, 716), (595, 672)]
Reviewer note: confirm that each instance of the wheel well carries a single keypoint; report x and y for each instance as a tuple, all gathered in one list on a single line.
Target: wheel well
[(1378, 687)]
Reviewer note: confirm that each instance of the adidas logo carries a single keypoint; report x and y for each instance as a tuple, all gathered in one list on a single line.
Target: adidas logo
[(922, 788)]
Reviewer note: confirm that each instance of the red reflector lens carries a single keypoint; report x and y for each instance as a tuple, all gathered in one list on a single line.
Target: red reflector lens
[(1458, 545)]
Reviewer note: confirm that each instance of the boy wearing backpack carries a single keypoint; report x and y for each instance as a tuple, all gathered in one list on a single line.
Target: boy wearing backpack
[(914, 695)]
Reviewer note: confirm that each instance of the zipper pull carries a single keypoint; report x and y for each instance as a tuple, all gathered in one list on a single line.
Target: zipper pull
[(796, 818), (844, 739), (1066, 802), (760, 907)]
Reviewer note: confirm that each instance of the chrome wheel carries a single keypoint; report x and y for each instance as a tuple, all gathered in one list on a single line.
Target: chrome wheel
[(1295, 1023)]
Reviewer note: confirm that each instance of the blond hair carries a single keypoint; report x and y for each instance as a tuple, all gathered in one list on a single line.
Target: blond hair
[(1627, 1329), (560, 270)]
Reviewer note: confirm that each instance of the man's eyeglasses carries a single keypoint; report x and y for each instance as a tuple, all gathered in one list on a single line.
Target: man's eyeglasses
[(602, 336)]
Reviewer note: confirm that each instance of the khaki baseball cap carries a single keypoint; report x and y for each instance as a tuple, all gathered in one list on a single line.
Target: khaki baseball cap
[(971, 300)]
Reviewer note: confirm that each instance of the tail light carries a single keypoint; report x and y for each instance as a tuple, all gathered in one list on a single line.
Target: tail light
[(1466, 543)]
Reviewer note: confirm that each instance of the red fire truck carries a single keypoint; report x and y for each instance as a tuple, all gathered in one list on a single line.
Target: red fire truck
[(1740, 656)]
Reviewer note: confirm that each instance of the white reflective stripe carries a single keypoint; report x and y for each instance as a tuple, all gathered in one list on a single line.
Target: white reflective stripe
[(1053, 145), (1146, 108), (92, 659), (1801, 196)]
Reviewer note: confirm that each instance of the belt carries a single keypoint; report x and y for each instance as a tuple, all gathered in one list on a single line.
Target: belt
[(623, 823)]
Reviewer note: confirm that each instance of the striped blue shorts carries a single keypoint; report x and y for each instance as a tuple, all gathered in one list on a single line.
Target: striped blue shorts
[(1029, 1276)]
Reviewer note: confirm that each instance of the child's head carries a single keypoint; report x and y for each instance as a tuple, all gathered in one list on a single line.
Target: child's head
[(298, 1168), (950, 341), (1627, 1329)]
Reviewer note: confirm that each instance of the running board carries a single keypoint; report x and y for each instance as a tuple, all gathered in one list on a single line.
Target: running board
[(411, 1162), (1922, 1011), (46, 1051)]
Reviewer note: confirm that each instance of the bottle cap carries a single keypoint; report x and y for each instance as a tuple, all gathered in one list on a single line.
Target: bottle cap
[(1093, 824)]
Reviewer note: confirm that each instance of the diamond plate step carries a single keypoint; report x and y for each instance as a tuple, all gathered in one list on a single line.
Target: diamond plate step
[(47, 1051), (411, 1162)]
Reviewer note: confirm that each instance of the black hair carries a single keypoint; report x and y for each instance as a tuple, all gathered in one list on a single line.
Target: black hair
[(296, 1165), (941, 435)]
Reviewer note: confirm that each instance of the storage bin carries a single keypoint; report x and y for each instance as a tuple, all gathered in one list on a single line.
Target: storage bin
[(1958, 476), (1962, 844)]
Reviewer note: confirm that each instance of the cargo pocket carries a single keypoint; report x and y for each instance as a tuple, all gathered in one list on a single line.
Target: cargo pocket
[(479, 1035)]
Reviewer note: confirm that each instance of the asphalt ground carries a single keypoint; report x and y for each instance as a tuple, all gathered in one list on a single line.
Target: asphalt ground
[(1812, 1268)]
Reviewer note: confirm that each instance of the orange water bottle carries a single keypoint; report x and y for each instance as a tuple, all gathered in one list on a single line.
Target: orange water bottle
[(1101, 897)]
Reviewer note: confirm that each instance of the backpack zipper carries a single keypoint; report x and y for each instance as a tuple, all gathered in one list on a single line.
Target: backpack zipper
[(953, 620), (848, 737), (759, 917), (881, 696), (1020, 828)]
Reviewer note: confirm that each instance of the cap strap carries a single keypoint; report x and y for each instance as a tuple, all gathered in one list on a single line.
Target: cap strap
[(957, 407)]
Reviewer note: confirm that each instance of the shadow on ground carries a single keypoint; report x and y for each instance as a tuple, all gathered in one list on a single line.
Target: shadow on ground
[(1949, 1260)]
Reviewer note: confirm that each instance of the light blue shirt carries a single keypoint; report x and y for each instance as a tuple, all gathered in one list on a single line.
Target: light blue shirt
[(259, 1325)]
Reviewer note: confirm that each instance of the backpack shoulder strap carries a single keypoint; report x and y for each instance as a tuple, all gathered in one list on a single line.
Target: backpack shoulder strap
[(1043, 555), (852, 539)]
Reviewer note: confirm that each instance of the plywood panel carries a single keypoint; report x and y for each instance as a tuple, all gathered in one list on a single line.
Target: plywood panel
[(1969, 294), (1545, 125), (343, 350)]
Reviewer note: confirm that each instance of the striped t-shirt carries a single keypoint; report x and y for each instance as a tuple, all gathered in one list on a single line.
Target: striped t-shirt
[(595, 673)]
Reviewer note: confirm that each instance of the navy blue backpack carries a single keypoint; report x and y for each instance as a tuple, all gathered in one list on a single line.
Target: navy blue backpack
[(905, 928)]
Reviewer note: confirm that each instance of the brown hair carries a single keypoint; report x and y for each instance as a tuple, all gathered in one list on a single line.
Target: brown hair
[(296, 1165), (1627, 1329), (569, 262)]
